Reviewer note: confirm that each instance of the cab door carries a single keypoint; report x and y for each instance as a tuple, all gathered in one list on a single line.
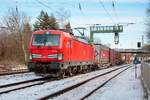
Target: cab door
[(69, 50)]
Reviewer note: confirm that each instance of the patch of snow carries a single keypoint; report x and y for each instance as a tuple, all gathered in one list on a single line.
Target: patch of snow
[(8, 79), (123, 87), (36, 92), (19, 86), (78, 93)]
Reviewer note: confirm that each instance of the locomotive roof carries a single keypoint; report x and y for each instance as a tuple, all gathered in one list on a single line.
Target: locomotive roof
[(53, 32)]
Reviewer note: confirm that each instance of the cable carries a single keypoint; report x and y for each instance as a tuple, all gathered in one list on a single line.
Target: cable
[(106, 11), (114, 8), (64, 16), (43, 4), (49, 8), (80, 7)]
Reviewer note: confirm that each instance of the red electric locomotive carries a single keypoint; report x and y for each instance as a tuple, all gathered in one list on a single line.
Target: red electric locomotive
[(58, 52)]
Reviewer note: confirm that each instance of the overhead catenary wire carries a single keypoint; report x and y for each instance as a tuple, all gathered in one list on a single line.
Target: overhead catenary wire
[(43, 4), (80, 6), (114, 8), (59, 13), (63, 15), (109, 15)]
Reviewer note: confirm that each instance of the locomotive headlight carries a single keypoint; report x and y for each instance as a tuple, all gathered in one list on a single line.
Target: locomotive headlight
[(60, 56), (52, 56), (36, 55)]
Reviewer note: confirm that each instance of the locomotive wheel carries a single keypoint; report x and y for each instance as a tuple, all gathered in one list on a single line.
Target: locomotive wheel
[(74, 70), (81, 69), (62, 73), (78, 69), (70, 71), (85, 70)]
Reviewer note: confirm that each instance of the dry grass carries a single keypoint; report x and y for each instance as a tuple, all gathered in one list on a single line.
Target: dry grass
[(11, 66)]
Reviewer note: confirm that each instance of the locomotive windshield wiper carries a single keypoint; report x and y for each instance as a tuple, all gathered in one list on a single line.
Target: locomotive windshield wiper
[(45, 41)]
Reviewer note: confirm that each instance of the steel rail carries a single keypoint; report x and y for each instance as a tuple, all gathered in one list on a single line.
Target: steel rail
[(41, 81), (22, 82), (89, 94), (3, 73), (77, 85)]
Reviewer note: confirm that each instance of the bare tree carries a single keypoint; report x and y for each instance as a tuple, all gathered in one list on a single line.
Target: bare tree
[(26, 34), (16, 23), (147, 46), (148, 23), (63, 16), (67, 28)]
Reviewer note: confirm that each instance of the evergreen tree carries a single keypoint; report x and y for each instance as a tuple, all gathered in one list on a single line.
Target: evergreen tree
[(68, 28), (54, 24), (44, 21)]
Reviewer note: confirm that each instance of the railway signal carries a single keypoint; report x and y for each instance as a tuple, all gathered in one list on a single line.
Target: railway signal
[(116, 29), (138, 44)]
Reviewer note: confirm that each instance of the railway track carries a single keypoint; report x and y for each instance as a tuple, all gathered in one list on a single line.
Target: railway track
[(87, 95), (21, 85), (2, 73), (72, 87), (15, 78)]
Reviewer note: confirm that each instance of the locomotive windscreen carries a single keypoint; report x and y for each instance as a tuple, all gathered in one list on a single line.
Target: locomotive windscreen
[(45, 40)]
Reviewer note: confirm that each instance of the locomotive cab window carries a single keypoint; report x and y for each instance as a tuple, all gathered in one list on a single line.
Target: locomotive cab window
[(45, 40)]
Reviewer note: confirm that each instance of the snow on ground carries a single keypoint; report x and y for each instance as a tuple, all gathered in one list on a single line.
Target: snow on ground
[(123, 87), (35, 92), (80, 92), (8, 79)]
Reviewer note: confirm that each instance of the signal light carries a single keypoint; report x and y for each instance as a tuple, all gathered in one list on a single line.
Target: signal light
[(138, 44), (116, 38)]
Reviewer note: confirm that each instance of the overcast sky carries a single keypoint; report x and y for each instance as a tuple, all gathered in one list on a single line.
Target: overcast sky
[(91, 12)]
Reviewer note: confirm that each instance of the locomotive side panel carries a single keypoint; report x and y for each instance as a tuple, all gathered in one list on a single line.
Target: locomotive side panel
[(81, 52), (77, 53)]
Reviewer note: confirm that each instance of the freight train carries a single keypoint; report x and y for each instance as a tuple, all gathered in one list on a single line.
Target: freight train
[(55, 52)]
